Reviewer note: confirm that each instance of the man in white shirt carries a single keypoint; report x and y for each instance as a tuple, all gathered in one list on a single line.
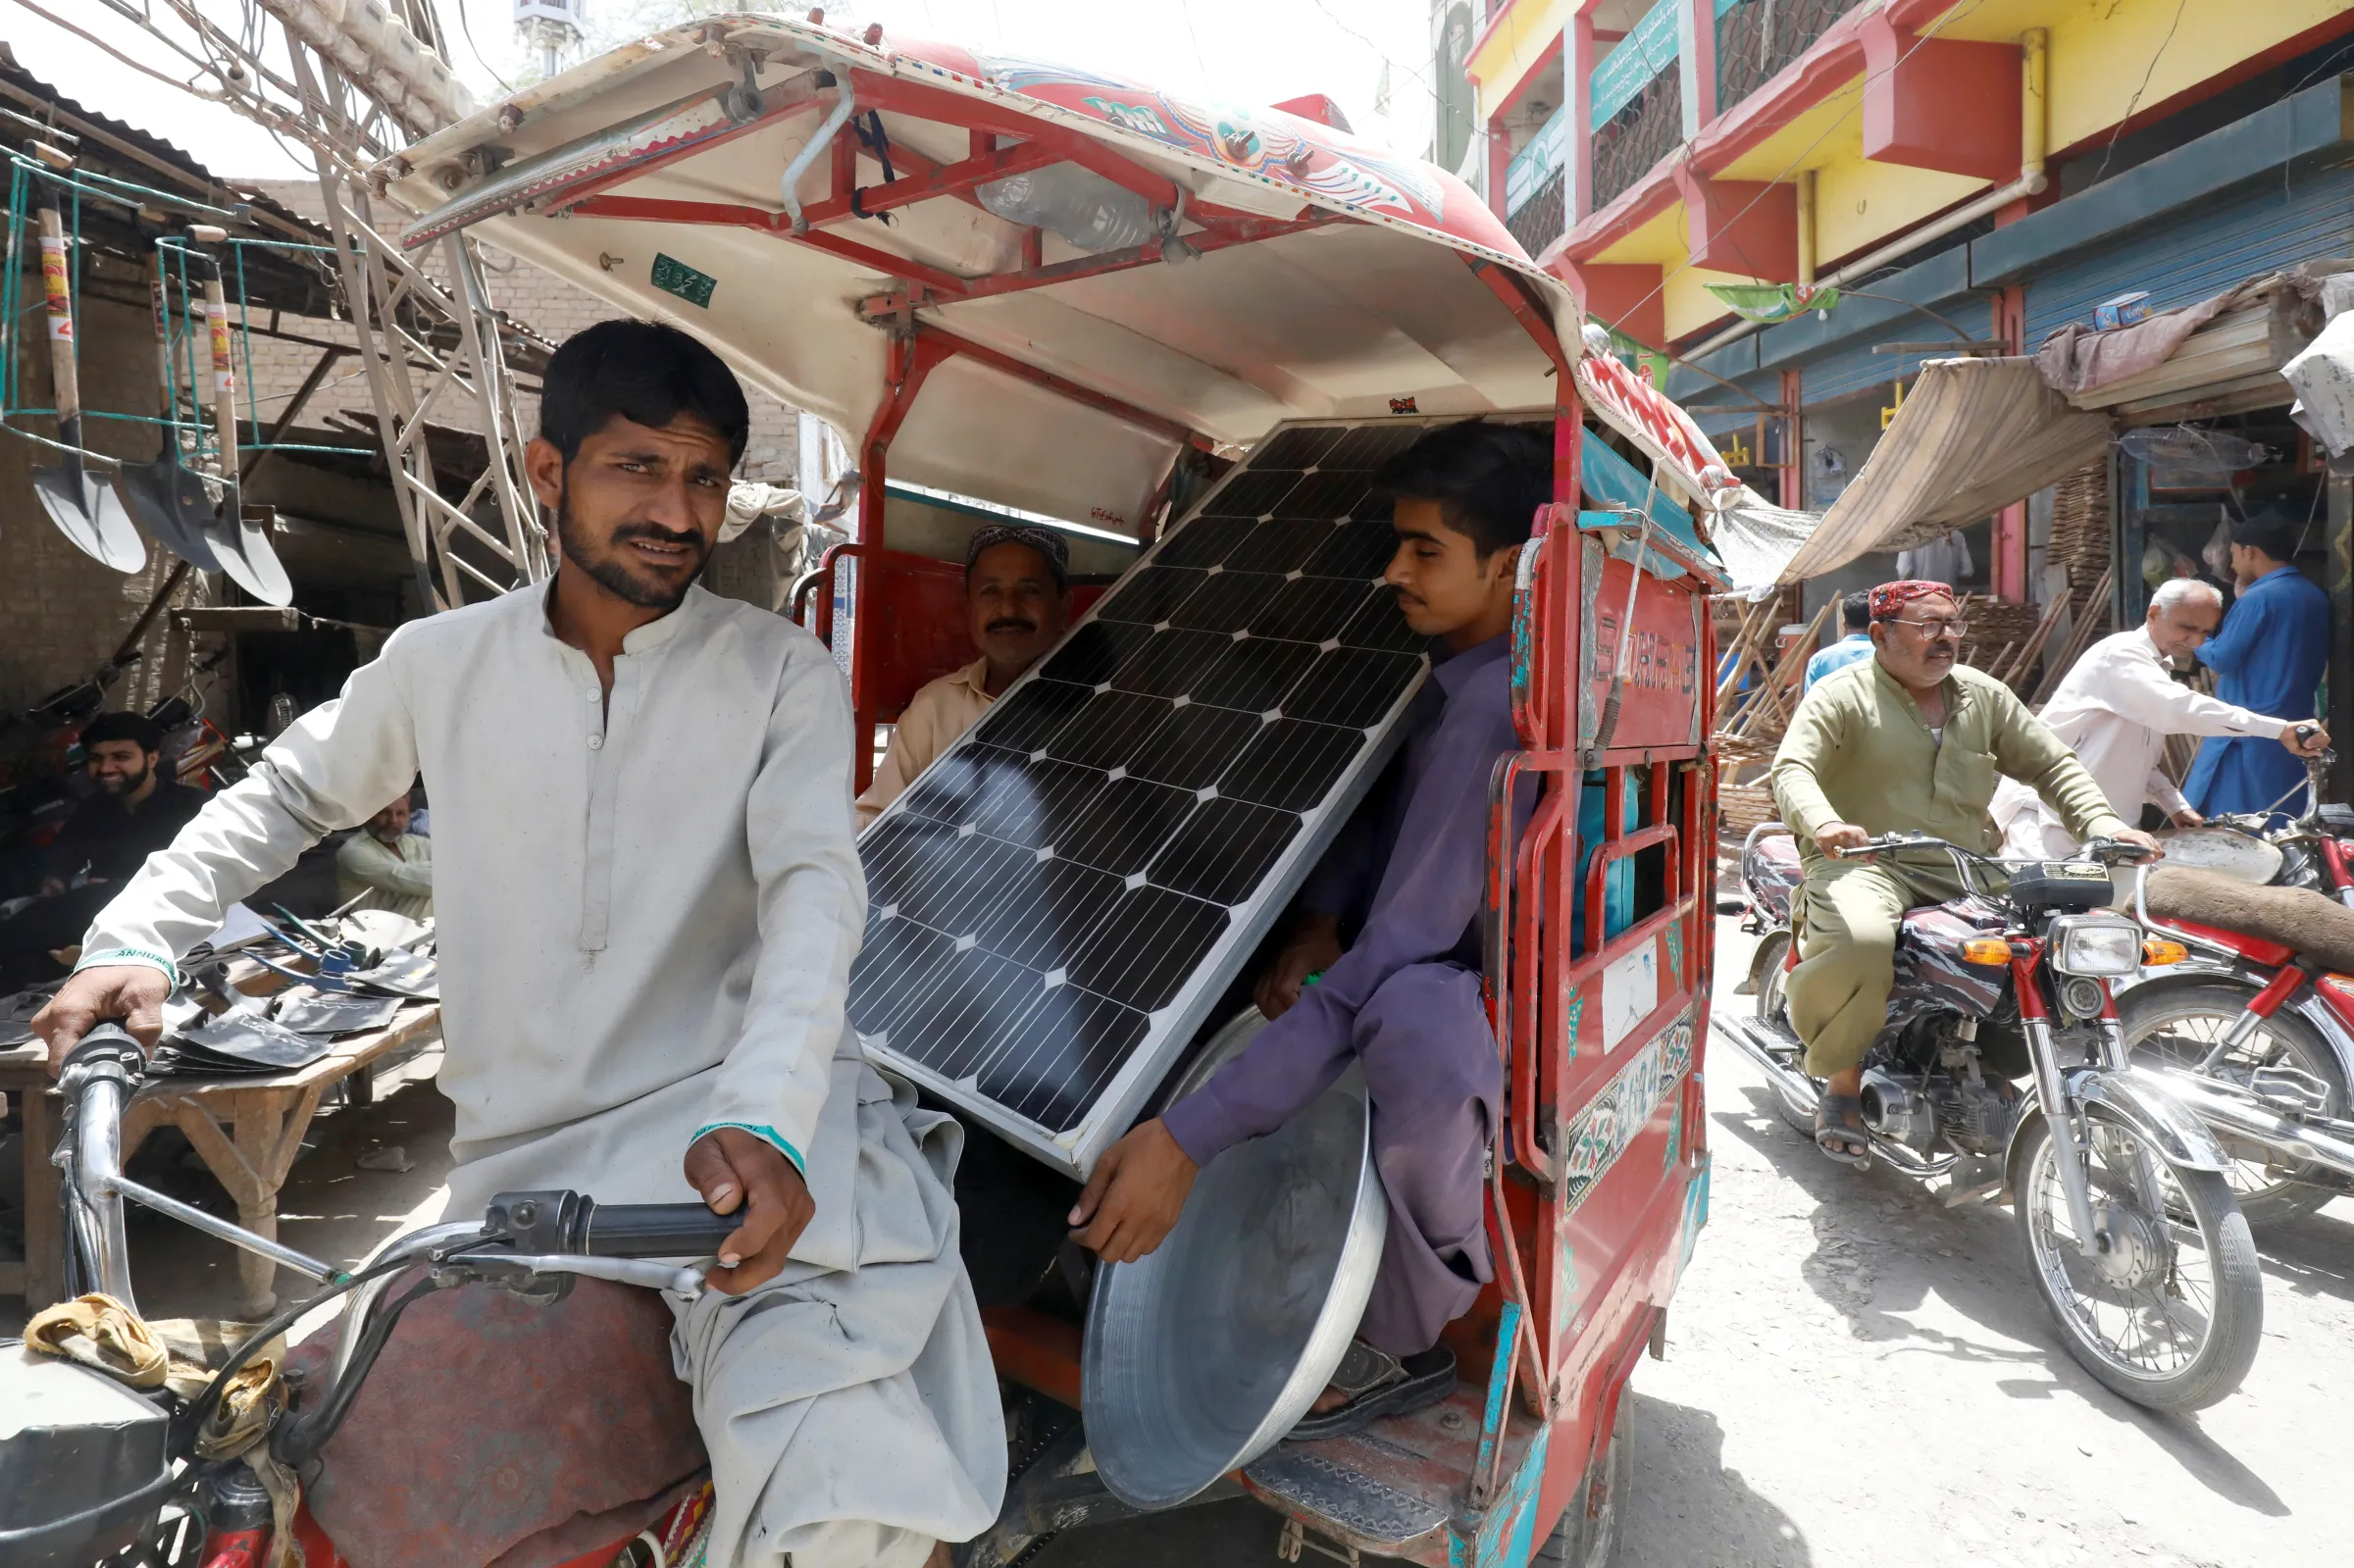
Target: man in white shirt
[(2117, 707), (648, 898), (385, 865)]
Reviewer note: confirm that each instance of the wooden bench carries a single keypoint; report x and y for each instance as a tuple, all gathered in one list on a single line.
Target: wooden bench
[(248, 1131)]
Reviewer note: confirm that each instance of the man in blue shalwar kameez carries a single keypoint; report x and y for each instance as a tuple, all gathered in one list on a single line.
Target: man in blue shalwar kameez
[(1390, 933), (2268, 658)]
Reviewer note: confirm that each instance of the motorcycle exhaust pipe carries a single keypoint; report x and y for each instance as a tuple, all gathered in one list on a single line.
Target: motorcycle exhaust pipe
[(1751, 1037), (2230, 1111)]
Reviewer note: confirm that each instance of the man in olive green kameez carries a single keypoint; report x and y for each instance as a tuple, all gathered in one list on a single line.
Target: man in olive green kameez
[(1907, 740)]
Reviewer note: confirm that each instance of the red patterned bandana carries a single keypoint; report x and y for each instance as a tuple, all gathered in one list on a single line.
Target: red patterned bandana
[(1891, 597)]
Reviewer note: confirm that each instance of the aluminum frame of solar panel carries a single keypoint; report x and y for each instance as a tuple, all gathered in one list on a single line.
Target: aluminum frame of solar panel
[(1007, 855)]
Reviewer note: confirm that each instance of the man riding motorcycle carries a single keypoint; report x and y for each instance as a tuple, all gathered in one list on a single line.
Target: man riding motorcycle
[(1908, 740), (648, 898)]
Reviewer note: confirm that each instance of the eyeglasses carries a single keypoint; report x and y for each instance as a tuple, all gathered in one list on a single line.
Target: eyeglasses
[(1931, 631)]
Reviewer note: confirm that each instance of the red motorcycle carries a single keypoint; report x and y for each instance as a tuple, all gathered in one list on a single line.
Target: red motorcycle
[(2256, 1035)]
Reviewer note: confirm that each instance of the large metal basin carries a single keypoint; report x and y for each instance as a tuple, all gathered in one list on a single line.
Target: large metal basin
[(1201, 1356)]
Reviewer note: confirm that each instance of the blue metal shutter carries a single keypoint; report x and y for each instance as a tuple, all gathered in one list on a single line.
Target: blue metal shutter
[(1856, 369), (2277, 224)]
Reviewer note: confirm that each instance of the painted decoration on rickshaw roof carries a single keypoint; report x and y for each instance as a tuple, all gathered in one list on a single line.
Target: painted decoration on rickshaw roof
[(1240, 139)]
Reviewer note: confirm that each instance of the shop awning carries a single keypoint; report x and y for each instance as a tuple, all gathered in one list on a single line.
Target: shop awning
[(1974, 437)]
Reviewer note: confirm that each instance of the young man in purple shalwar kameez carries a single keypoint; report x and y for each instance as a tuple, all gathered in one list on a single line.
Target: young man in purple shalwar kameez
[(1405, 884)]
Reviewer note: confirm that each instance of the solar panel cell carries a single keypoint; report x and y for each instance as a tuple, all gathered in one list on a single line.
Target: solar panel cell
[(1361, 549), (1092, 654), (1152, 595), (1301, 447), (1351, 686), (1228, 602), (1206, 540), (1283, 545), (1249, 492), (1223, 850), (1290, 763)]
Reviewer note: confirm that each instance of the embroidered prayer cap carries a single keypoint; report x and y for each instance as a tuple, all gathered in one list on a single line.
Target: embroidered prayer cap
[(1046, 542), (1889, 599)]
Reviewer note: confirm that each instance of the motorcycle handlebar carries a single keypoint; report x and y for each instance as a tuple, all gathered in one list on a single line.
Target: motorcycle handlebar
[(656, 1230), (561, 1221)]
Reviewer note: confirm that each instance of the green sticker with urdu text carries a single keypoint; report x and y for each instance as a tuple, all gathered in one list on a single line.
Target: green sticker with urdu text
[(675, 276)]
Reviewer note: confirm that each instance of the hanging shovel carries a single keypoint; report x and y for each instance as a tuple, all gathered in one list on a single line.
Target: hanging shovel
[(241, 547), (84, 511), (166, 496)]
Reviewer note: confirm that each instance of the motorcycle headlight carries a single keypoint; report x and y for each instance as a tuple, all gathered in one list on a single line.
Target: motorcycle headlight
[(2095, 944)]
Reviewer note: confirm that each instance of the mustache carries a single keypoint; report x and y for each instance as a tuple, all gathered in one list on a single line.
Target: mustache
[(1011, 623), (626, 532)]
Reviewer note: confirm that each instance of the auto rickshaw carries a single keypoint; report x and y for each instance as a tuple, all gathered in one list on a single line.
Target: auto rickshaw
[(1023, 286)]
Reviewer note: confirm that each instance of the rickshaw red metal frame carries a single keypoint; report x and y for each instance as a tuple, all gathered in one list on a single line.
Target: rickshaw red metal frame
[(1569, 1338)]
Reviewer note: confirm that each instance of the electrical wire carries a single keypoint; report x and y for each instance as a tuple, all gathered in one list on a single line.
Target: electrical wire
[(100, 45), (2134, 102), (466, 26)]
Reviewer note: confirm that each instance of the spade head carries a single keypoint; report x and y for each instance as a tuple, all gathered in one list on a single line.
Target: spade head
[(91, 515), (169, 502), (242, 548)]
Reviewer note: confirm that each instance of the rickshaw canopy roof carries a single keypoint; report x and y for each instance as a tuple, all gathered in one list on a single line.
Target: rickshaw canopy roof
[(1326, 278)]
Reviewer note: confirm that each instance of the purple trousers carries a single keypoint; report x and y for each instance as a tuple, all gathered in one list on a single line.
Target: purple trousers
[(1435, 1083)]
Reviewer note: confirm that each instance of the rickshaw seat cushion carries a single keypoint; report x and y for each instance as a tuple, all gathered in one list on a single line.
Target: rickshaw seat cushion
[(496, 1430)]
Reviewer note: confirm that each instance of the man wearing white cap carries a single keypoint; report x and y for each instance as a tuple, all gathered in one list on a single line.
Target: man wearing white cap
[(1017, 601)]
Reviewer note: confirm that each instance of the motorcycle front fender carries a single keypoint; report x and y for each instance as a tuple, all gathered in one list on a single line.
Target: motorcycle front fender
[(2141, 1100)]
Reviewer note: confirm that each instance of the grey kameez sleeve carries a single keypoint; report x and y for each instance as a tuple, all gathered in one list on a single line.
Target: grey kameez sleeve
[(2025, 748), (333, 768), (812, 913)]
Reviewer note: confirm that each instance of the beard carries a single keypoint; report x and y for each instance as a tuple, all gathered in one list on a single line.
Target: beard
[(119, 785), (606, 568)]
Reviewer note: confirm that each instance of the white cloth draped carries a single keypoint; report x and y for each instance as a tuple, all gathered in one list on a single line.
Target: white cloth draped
[(648, 906)]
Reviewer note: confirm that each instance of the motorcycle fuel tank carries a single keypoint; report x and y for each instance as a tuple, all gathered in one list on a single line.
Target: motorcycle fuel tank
[(71, 1440)]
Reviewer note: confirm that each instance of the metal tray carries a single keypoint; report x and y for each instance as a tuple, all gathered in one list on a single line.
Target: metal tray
[(1201, 1357)]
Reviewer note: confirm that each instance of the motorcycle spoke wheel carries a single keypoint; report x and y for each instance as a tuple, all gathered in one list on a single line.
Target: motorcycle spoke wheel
[(2181, 1026), (2169, 1312)]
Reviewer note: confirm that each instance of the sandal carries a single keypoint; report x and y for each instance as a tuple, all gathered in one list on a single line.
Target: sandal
[(1378, 1384), (1839, 1129)]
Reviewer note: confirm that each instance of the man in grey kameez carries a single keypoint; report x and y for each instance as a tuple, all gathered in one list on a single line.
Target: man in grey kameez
[(648, 898)]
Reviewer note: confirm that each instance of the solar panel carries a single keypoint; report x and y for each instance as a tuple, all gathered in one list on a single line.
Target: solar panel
[(1057, 903)]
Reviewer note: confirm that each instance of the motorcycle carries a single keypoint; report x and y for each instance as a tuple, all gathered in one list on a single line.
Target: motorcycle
[(103, 1472), (2133, 1236), (2257, 1037)]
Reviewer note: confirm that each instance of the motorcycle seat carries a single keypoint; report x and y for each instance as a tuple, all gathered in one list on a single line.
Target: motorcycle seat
[(523, 1434)]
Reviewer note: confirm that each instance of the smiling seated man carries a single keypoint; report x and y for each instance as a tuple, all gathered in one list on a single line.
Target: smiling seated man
[(1017, 601), (1390, 935)]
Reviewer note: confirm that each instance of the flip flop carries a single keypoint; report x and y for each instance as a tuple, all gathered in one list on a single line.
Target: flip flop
[(1839, 1129), (1379, 1383)]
